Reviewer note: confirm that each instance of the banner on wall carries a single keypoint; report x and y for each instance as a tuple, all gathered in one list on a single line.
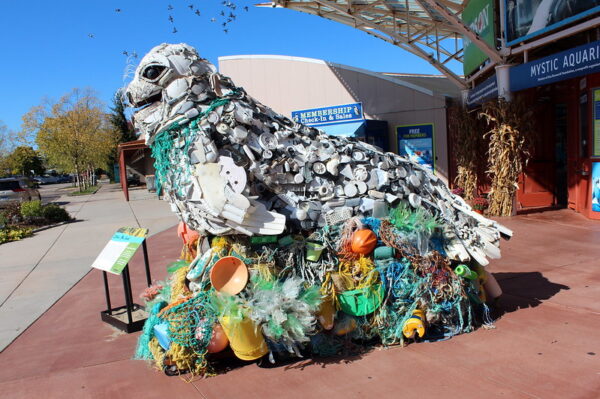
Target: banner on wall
[(526, 19), (327, 115), (416, 143), (483, 92), (596, 186), (478, 15)]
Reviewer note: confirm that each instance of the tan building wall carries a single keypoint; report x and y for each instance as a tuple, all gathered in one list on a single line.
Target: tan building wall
[(289, 84)]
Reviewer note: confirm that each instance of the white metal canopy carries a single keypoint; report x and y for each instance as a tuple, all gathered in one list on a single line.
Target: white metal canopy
[(430, 29)]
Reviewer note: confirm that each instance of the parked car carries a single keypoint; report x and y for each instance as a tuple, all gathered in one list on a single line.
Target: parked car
[(65, 179), (46, 179), (17, 189)]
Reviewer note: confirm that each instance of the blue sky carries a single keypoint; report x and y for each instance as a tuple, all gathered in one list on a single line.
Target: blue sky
[(50, 47)]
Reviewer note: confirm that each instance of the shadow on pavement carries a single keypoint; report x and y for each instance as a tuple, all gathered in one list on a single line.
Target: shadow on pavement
[(524, 290)]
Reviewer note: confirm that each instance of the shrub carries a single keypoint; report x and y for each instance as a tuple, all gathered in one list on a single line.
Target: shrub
[(55, 214), (12, 213), (32, 209), (14, 233), (479, 203)]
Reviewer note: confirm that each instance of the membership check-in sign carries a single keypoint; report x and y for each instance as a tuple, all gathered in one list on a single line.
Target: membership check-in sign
[(120, 249)]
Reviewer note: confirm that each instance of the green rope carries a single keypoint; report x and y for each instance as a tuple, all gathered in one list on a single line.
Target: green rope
[(167, 159)]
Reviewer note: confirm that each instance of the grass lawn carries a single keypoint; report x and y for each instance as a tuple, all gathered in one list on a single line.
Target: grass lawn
[(89, 190)]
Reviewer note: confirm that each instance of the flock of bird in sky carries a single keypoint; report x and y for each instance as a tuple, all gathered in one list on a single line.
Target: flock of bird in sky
[(225, 18)]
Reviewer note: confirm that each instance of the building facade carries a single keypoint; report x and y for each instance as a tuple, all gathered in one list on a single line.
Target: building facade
[(551, 63)]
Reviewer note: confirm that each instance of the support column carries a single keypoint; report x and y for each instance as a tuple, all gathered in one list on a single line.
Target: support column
[(503, 81), (464, 95)]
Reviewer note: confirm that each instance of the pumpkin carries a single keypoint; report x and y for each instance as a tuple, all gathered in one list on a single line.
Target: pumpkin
[(364, 241)]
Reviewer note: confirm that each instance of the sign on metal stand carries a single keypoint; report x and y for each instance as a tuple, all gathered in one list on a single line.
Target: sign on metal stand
[(114, 258)]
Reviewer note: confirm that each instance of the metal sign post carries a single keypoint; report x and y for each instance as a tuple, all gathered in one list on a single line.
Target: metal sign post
[(114, 258)]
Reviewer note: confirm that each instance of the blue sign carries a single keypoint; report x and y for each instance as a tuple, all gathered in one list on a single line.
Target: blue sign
[(596, 186), (578, 61), (484, 91), (416, 143), (329, 115)]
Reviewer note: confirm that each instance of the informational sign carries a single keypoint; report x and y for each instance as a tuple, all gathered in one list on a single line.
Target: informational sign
[(578, 61), (120, 249), (484, 91), (478, 15), (596, 138), (327, 115), (528, 19), (416, 143), (596, 186)]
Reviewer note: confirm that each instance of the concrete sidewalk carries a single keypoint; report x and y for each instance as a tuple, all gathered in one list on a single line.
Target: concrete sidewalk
[(546, 344), (37, 271)]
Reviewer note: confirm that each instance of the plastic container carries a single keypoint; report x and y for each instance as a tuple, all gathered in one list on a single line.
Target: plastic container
[(313, 251), (245, 339), (382, 253), (326, 314), (362, 301)]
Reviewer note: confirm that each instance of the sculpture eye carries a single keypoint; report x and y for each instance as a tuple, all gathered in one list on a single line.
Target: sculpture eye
[(153, 72)]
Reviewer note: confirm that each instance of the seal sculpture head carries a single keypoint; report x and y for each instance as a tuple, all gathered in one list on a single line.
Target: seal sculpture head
[(166, 84)]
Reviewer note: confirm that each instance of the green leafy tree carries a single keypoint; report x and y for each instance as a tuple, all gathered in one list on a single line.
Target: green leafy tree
[(74, 133), (119, 119), (121, 124), (24, 160)]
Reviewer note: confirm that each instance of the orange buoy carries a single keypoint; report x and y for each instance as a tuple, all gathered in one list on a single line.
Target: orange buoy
[(364, 241), (218, 341)]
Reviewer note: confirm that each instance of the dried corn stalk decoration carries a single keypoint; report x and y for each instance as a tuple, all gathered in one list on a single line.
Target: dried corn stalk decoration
[(465, 151), (507, 152)]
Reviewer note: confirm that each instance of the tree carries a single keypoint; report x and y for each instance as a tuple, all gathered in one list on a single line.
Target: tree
[(119, 120), (25, 161), (74, 133), (121, 124), (8, 140)]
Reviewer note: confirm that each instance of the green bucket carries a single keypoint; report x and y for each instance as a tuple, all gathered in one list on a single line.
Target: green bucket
[(362, 301)]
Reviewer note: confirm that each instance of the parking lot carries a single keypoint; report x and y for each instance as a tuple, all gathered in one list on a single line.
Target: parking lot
[(52, 192)]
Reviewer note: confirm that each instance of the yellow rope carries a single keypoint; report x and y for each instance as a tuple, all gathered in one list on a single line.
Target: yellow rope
[(359, 273), (178, 287), (157, 353)]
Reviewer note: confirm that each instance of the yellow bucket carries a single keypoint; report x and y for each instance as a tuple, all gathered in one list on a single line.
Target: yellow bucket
[(326, 314), (245, 339)]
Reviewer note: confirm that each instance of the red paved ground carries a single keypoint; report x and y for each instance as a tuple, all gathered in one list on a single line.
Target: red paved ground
[(546, 344)]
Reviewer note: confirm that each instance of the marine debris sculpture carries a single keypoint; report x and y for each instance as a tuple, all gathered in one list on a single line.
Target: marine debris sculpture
[(304, 242)]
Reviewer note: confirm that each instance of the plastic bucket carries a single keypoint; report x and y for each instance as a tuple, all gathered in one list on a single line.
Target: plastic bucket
[(245, 339), (313, 251), (362, 301)]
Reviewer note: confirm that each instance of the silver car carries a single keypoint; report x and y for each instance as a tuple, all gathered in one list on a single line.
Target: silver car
[(17, 189)]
